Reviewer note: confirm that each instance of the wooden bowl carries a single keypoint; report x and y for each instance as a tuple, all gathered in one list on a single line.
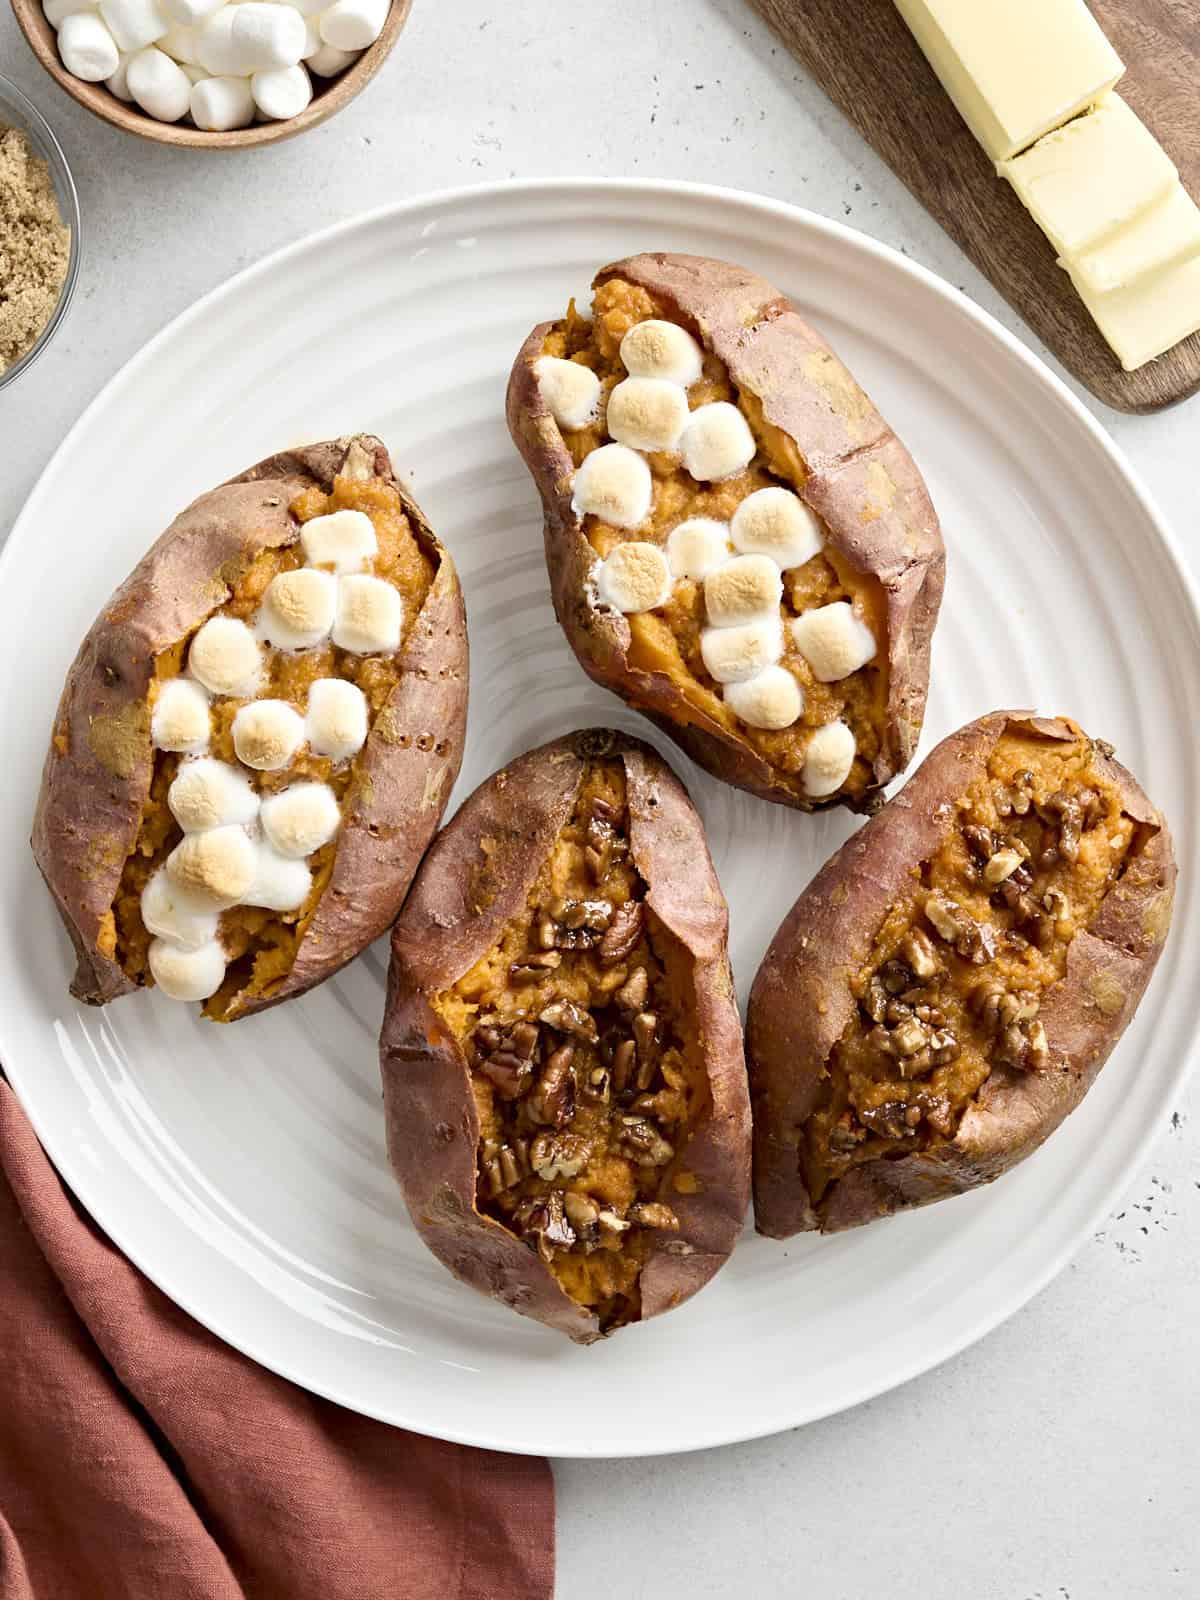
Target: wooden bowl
[(330, 95)]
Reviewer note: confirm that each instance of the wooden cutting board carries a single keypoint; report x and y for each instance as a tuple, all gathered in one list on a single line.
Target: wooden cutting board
[(863, 56)]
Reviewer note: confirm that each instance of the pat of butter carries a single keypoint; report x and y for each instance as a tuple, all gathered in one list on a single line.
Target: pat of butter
[(1164, 236), (1016, 69), (1085, 182), (1150, 317)]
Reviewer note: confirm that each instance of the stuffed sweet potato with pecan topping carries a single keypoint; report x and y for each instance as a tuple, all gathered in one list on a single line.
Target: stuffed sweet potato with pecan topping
[(738, 544), (257, 738), (562, 1058), (945, 991)]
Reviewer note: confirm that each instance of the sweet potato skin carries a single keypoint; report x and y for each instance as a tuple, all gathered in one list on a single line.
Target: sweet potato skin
[(862, 482), (801, 1001), (462, 898), (100, 762)]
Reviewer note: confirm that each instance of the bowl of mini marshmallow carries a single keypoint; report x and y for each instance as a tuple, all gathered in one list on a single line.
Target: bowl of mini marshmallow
[(212, 74)]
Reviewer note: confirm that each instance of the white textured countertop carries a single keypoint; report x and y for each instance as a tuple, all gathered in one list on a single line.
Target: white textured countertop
[(1059, 1459)]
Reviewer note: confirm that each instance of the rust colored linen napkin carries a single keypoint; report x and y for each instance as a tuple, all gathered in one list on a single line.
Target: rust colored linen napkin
[(142, 1459)]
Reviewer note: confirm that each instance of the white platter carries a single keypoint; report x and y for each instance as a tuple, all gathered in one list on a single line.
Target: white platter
[(243, 1169)]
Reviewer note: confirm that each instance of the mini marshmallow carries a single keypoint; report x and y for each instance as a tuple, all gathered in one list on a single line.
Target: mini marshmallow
[(87, 48), (833, 641), (179, 42), (211, 794), (743, 589), (313, 42), (647, 414), (634, 578), (226, 658), (279, 883), (170, 913), (343, 540), (776, 523), (57, 11), (194, 72), (328, 62), (216, 49), (717, 442), (354, 24), (219, 104), (337, 718), (159, 85), (696, 546), (731, 655), (117, 84), (301, 819), (133, 23), (298, 609), (828, 759), (308, 8), (267, 36), (181, 718), (664, 350), (217, 866), (267, 734), (571, 391), (282, 92), (189, 13), (187, 974), (771, 699), (370, 616), (614, 484)]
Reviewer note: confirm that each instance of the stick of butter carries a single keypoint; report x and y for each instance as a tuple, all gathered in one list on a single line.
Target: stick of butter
[(1162, 237), (1016, 69), (1150, 317), (1085, 182)]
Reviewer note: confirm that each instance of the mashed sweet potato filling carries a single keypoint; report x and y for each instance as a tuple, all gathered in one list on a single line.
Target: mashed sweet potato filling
[(667, 640), (262, 944), (961, 964), (585, 1062)]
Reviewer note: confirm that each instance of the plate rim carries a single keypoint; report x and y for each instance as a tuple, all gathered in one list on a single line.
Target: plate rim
[(75, 1174)]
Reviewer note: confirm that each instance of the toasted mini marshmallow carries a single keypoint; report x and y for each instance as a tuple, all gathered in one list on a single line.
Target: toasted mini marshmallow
[(614, 484), (280, 884), (217, 866), (572, 392), (833, 641), (171, 913), (337, 718), (647, 414), (776, 523), (717, 442), (828, 760), (301, 819), (741, 590), (267, 734), (344, 540), (696, 546), (226, 657), (634, 578), (370, 616), (731, 655), (771, 699), (187, 974), (211, 794), (298, 609), (664, 350), (181, 719)]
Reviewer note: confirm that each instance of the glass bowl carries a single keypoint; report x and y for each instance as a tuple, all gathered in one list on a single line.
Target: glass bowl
[(16, 111)]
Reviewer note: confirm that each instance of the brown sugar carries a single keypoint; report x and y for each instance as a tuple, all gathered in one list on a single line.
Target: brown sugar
[(35, 246)]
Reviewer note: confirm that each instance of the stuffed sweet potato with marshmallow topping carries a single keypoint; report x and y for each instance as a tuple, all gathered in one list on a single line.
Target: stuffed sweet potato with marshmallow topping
[(944, 992), (258, 737), (738, 544), (562, 1062)]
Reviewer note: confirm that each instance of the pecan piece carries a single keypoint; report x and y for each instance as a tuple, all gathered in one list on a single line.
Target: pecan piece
[(553, 1101), (917, 949), (632, 994), (546, 1220), (508, 1074), (652, 1214), (564, 1016), (973, 941), (559, 1155), (622, 934), (534, 966), (643, 1143)]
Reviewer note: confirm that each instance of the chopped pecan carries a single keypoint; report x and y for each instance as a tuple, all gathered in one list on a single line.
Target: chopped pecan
[(1014, 798), (564, 1016), (558, 1155), (622, 934), (909, 1037), (534, 966), (612, 1224), (643, 1143), (597, 1085), (888, 1120), (582, 1212), (545, 1219), (553, 1101), (875, 1000), (645, 1036), (632, 994), (1002, 865), (508, 1073), (973, 941), (624, 1064), (917, 949), (845, 1136), (979, 841), (652, 1214), (944, 1047)]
